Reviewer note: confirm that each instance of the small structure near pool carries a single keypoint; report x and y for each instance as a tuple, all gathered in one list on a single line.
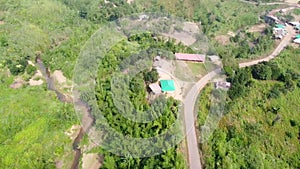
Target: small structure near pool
[(167, 85)]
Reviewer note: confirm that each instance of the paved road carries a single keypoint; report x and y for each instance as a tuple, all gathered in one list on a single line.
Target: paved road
[(191, 97), (285, 41), (189, 117), (268, 3)]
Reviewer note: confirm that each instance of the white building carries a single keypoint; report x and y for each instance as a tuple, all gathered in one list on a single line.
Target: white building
[(222, 85), (155, 88)]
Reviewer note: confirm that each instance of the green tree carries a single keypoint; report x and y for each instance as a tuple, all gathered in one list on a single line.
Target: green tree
[(261, 72), (151, 76)]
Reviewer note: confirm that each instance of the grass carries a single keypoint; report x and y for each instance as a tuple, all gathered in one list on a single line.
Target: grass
[(296, 11), (29, 117), (198, 69)]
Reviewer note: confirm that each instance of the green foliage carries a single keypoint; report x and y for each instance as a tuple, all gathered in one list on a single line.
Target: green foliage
[(275, 91), (17, 67), (222, 16), (29, 118), (57, 30), (100, 11), (117, 59), (260, 129), (261, 72), (154, 41), (240, 81), (296, 11), (31, 70), (151, 76), (250, 45)]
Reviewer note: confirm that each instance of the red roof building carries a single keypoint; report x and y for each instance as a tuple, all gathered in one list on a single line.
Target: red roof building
[(190, 57)]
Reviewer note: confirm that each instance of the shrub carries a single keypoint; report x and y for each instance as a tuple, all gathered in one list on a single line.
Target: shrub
[(261, 72), (151, 76), (275, 91), (31, 70), (293, 123), (289, 134)]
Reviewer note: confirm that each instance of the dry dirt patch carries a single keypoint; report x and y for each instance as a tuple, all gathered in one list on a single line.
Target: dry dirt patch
[(73, 132), (18, 83), (30, 63), (186, 36), (91, 161), (130, 1), (292, 1), (33, 82), (223, 39), (183, 37), (191, 27), (2, 22), (59, 76), (257, 28)]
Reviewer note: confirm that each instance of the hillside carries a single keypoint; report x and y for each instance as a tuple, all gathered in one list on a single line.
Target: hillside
[(260, 127), (41, 40)]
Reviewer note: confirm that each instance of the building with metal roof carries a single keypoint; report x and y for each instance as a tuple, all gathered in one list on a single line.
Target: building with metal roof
[(167, 85), (297, 41), (294, 23), (190, 57), (280, 26), (155, 88), (222, 85), (271, 19)]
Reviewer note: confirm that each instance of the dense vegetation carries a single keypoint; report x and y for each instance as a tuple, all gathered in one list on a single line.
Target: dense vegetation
[(247, 45), (29, 117), (119, 57), (260, 128), (56, 30), (263, 0)]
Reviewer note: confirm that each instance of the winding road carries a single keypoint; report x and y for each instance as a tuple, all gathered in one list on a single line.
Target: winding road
[(191, 98), (189, 117), (284, 42), (268, 3)]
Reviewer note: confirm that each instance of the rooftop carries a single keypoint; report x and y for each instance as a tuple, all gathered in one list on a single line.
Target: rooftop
[(280, 26), (223, 85), (155, 88), (167, 85), (190, 57), (297, 41), (294, 23)]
